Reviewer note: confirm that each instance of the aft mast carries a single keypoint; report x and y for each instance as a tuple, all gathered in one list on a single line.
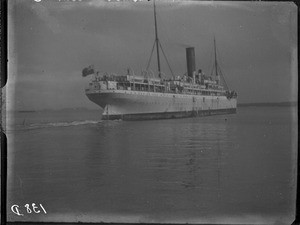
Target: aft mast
[(156, 41), (216, 63)]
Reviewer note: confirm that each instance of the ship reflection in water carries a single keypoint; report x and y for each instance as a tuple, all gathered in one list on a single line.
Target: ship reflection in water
[(227, 168)]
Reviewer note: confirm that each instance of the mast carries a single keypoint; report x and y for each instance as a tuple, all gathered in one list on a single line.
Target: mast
[(156, 40), (216, 63)]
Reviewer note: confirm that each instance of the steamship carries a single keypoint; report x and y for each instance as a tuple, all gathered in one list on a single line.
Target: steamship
[(146, 96)]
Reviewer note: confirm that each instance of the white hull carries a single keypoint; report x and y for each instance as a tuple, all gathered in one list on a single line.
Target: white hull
[(124, 104)]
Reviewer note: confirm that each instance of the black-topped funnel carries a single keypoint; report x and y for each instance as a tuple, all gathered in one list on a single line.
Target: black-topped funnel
[(190, 61)]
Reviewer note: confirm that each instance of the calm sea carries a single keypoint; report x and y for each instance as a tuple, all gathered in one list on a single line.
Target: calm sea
[(237, 168)]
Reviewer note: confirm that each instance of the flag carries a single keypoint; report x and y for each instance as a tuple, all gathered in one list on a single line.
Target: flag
[(88, 70)]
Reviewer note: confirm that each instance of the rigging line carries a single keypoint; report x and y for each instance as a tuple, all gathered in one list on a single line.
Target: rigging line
[(152, 74), (223, 74), (166, 58), (156, 39), (223, 78), (220, 62), (220, 69), (215, 53), (212, 60), (149, 61), (164, 36), (212, 57), (220, 58)]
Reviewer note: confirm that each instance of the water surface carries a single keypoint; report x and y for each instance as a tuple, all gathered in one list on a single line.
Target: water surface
[(228, 168)]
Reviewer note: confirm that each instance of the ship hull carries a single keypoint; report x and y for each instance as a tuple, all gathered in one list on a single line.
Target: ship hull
[(138, 105), (168, 115)]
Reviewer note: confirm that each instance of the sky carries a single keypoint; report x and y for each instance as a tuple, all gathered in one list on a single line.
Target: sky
[(51, 41)]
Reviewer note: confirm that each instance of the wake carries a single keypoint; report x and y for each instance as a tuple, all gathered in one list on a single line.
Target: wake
[(63, 124)]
